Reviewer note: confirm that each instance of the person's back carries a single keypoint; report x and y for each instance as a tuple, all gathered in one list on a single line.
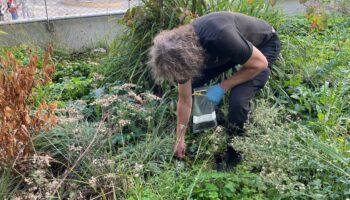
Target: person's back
[(253, 29), (230, 36)]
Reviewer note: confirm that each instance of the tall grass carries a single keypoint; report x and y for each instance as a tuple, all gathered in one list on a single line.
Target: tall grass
[(5, 178), (129, 54), (9, 184)]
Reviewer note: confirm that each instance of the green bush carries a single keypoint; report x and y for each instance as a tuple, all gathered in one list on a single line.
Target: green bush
[(310, 59), (75, 78)]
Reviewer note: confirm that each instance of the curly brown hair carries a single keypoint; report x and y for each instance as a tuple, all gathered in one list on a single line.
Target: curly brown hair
[(176, 55)]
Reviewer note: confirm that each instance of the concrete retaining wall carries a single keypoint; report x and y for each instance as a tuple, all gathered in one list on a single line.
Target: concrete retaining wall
[(79, 33), (72, 34)]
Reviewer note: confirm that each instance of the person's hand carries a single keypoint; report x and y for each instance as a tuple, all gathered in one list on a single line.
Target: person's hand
[(180, 149), (215, 94)]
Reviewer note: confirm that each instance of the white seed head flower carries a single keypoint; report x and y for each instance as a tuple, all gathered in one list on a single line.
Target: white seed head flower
[(138, 167), (219, 129), (133, 95), (150, 97), (123, 122), (93, 181)]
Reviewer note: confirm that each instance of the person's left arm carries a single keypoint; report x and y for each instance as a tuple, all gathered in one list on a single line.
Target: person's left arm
[(255, 64), (232, 44)]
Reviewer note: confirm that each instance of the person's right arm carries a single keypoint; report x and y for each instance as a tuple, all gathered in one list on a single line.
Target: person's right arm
[(183, 111)]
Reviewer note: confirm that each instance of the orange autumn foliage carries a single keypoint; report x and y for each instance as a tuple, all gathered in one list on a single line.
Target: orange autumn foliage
[(19, 121)]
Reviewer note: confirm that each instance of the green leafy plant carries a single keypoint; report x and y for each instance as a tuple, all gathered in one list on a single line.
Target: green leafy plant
[(240, 185)]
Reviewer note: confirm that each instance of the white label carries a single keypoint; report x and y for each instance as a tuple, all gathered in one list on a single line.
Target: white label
[(204, 118)]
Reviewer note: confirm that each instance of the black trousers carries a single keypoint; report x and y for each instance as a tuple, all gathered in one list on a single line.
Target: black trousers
[(240, 96)]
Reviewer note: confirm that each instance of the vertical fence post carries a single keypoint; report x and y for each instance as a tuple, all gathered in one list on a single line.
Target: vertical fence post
[(49, 26)]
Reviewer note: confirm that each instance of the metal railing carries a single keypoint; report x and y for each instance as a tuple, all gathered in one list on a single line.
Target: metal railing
[(29, 10)]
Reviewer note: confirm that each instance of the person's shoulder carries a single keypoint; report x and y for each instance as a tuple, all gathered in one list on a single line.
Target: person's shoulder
[(216, 15), (213, 19)]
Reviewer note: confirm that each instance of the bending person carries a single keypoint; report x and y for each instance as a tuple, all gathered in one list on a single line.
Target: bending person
[(192, 55)]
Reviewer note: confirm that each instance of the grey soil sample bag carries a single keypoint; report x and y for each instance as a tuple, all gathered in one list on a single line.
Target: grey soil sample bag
[(204, 116)]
